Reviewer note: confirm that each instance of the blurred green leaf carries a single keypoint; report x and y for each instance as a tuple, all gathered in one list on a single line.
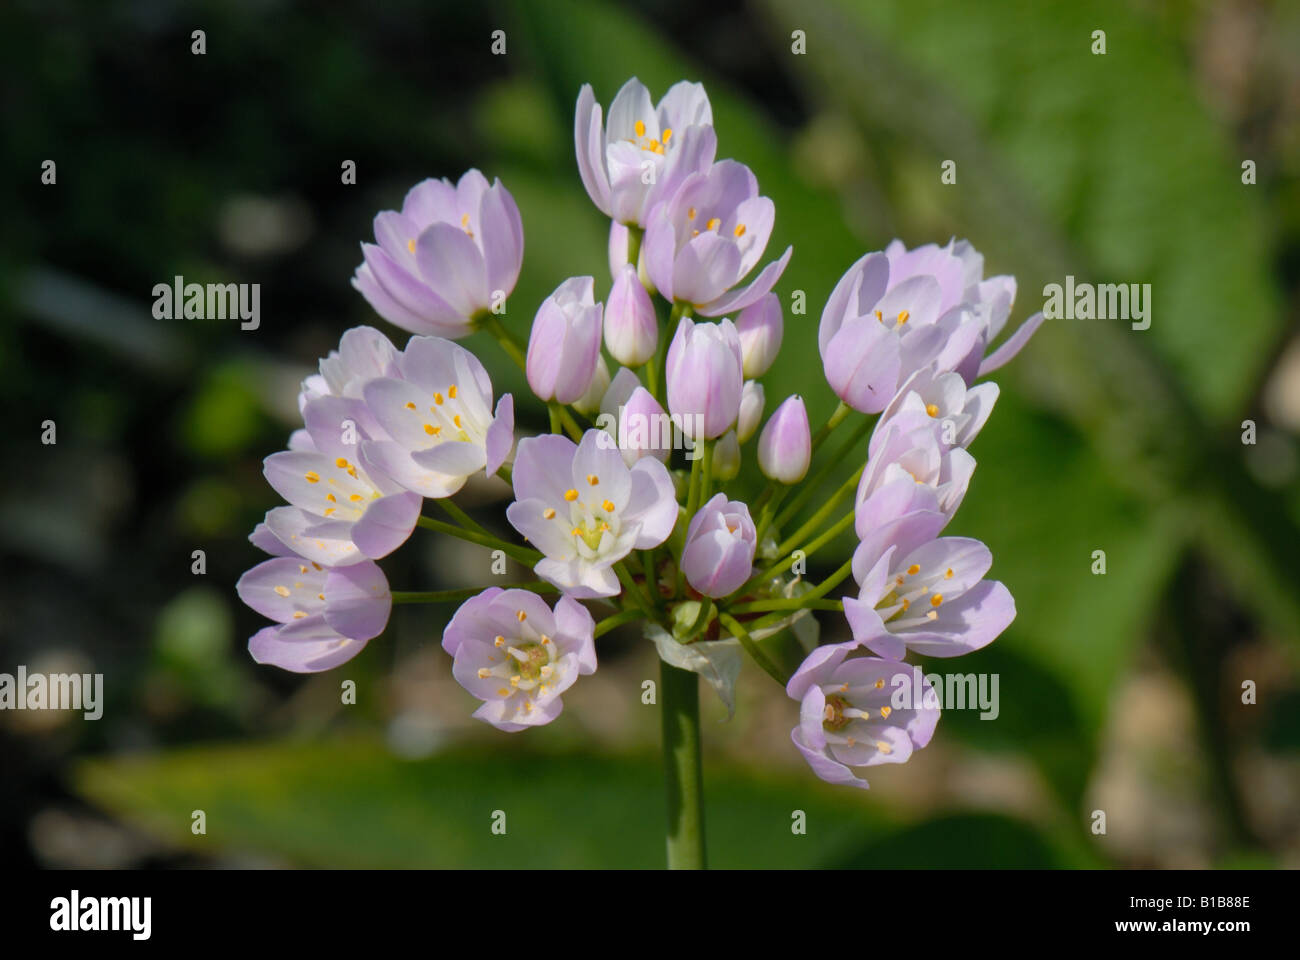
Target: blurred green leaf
[(350, 803), (961, 841)]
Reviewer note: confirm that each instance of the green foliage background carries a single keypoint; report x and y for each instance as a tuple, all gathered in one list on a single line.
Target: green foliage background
[(1117, 168)]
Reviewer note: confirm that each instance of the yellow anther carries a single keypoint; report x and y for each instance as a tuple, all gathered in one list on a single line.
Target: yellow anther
[(331, 498), (431, 430), (316, 565), (329, 511), (947, 574), (713, 224), (740, 230), (906, 603), (302, 568), (298, 614), (914, 569), (593, 479), (690, 214), (576, 532), (885, 712), (902, 317), (355, 497), (668, 135), (545, 639), (484, 673), (884, 747), (456, 420), (932, 409), (282, 591), (521, 616), (311, 476), (464, 219), (437, 398), (503, 692), (936, 600), (571, 495), (608, 506), (654, 147), (880, 683), (549, 513), (880, 316), (500, 641), (410, 244), (451, 391), (639, 127), (320, 596), (514, 681), (410, 405)]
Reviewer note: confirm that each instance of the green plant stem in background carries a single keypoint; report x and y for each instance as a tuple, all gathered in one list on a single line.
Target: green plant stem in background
[(492, 323), (752, 648), (634, 235), (464, 593), (656, 367), (818, 518), (461, 517), (634, 593), (617, 620), (811, 485), (679, 702), (523, 554), (834, 420)]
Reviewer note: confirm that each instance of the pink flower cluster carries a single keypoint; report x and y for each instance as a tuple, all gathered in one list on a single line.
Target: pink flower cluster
[(624, 504)]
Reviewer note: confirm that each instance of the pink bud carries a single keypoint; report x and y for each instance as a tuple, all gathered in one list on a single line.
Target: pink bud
[(631, 327), (565, 342), (760, 327), (704, 376), (785, 445)]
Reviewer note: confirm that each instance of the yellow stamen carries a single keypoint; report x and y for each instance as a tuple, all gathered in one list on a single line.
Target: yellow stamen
[(713, 224), (690, 214), (936, 599), (521, 616), (902, 317), (571, 495), (431, 430), (410, 405), (880, 316), (282, 591), (341, 463), (410, 245), (740, 230), (608, 506), (451, 391), (330, 497), (947, 574), (880, 683), (885, 712), (884, 747), (456, 420), (437, 398), (500, 641), (329, 511), (298, 614), (668, 135), (311, 476), (932, 409), (593, 479), (549, 513), (639, 127), (914, 569)]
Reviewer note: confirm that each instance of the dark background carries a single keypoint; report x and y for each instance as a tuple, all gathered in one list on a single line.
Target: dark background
[(1119, 692)]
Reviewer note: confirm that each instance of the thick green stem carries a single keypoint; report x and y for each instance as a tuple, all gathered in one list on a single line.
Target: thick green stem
[(679, 701)]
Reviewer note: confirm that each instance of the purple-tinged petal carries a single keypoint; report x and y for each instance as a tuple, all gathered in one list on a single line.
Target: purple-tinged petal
[(501, 434), (386, 524), (357, 601)]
